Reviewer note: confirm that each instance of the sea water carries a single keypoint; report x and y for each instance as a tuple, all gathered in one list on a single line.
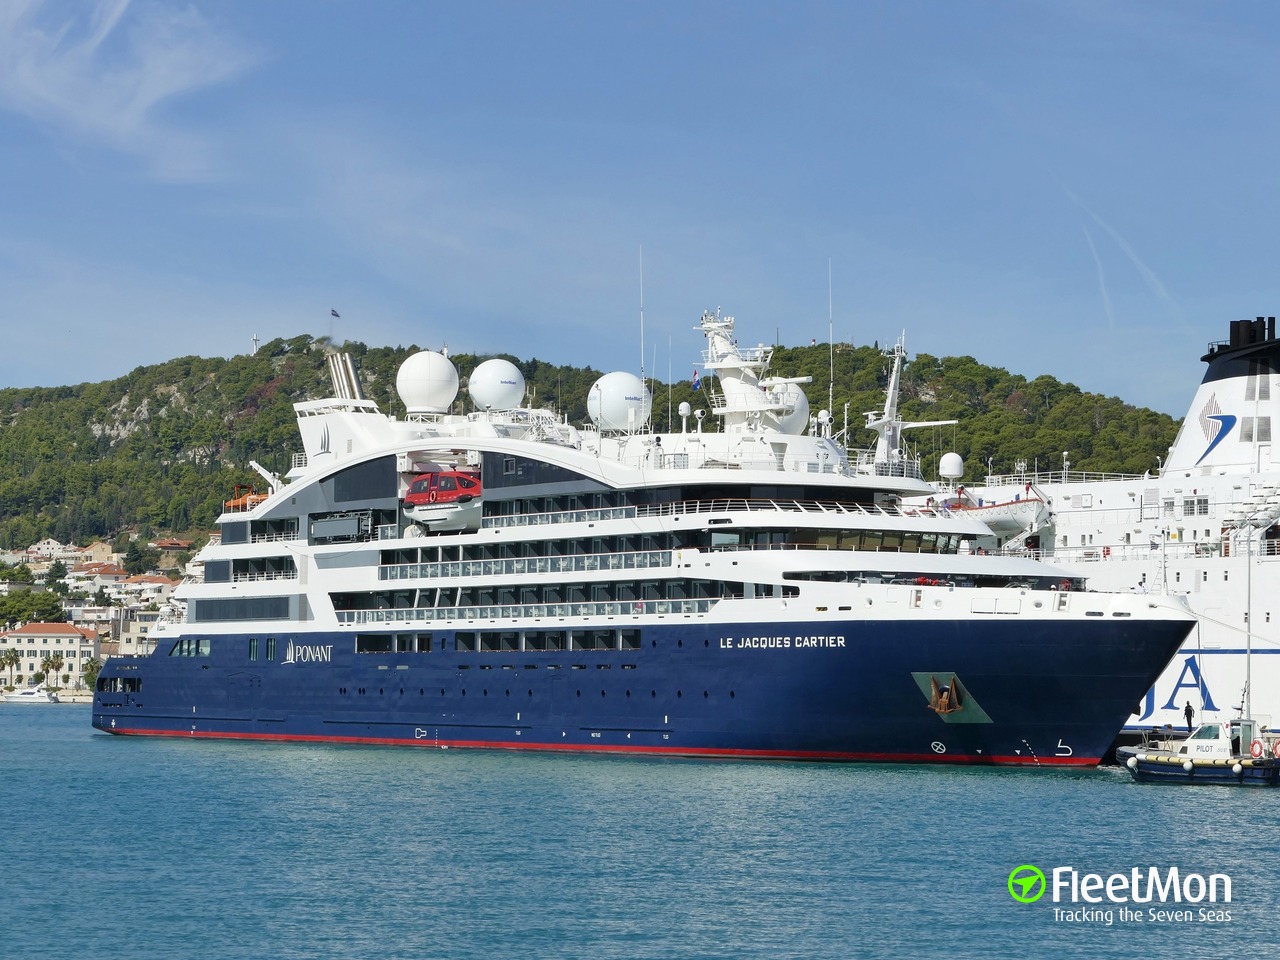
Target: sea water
[(158, 848)]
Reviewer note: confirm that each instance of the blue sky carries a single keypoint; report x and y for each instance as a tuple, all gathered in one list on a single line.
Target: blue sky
[(1086, 190)]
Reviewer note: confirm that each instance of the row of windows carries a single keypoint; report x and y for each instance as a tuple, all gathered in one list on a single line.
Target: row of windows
[(563, 547), (35, 665), (477, 558), (17, 641), (521, 566), (394, 642), (515, 641), (549, 594), (270, 647), (528, 611), (190, 647), (119, 684), (67, 655)]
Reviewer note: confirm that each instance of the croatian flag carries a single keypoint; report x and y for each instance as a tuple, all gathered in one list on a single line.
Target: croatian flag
[(697, 380)]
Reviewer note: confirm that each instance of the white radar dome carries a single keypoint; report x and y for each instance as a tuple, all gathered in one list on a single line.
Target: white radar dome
[(496, 384), (427, 383), (795, 421), (951, 466), (619, 401)]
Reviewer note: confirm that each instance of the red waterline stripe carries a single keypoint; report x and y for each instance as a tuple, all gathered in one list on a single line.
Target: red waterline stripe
[(703, 752)]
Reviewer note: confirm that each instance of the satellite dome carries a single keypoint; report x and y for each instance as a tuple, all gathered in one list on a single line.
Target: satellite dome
[(619, 401), (496, 384), (951, 466), (427, 383), (798, 418)]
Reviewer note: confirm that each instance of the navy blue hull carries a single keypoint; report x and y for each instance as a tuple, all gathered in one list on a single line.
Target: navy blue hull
[(843, 691)]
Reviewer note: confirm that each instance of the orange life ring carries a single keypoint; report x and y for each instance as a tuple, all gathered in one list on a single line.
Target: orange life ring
[(432, 497), (1255, 749)]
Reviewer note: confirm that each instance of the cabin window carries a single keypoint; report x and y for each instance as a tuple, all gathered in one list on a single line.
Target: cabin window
[(373, 642), (271, 648), (253, 648)]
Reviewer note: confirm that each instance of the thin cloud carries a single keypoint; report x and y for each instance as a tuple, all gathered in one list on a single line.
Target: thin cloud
[(1152, 281), (101, 72), (1102, 278), (1148, 275)]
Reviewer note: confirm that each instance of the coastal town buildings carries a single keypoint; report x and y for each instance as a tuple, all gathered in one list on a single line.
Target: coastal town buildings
[(108, 611), (36, 641)]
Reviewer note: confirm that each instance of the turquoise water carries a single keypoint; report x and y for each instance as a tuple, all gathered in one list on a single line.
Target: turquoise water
[(142, 848)]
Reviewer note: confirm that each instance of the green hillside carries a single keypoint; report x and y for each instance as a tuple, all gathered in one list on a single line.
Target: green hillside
[(159, 450)]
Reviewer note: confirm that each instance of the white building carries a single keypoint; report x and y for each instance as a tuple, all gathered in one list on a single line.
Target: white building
[(35, 641)]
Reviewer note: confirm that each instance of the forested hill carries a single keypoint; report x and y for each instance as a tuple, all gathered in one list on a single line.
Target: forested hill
[(159, 450)]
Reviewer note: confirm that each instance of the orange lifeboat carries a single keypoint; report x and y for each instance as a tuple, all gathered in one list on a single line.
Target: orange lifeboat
[(246, 500)]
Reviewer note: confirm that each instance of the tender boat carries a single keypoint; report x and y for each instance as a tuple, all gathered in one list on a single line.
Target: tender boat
[(445, 500)]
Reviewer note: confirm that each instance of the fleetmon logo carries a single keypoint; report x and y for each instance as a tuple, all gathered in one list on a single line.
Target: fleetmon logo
[(1026, 883)]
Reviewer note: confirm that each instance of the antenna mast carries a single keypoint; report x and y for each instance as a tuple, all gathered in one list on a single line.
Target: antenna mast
[(831, 347), (642, 313)]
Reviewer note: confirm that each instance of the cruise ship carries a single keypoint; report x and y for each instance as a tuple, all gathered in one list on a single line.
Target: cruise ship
[(743, 587), (1201, 525)]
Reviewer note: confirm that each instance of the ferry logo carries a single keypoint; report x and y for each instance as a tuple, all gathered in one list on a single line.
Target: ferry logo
[(1027, 883), (1215, 424)]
